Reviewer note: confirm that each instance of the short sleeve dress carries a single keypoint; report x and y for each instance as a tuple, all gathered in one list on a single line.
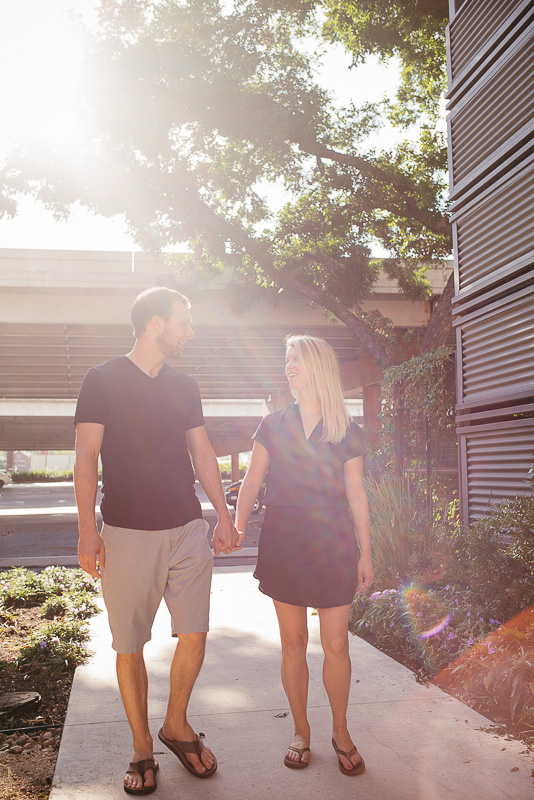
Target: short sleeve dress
[(307, 554)]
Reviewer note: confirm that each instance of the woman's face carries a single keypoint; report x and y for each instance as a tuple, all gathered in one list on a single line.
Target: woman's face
[(295, 372)]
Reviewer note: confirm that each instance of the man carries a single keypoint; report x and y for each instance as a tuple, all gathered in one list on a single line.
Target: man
[(145, 420)]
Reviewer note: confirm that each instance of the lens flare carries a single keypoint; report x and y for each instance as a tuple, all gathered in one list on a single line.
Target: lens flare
[(441, 625)]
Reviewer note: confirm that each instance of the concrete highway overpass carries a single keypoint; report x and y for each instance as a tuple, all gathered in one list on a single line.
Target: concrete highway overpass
[(62, 312)]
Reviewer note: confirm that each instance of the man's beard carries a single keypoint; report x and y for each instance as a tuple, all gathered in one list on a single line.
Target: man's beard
[(168, 347)]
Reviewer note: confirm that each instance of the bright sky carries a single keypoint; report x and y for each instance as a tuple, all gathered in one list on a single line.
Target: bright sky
[(39, 64)]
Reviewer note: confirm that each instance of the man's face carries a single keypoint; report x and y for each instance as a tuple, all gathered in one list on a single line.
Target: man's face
[(176, 332)]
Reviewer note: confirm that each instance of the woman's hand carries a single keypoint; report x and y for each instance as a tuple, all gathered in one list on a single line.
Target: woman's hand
[(365, 573), (240, 537)]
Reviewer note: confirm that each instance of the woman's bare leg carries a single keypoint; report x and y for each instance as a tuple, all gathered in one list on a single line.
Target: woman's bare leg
[(334, 623), (293, 624)]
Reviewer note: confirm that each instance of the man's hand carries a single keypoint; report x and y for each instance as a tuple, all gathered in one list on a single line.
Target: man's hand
[(92, 553), (225, 536)]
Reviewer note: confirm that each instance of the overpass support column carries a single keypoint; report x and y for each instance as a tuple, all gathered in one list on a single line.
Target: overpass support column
[(279, 400), (235, 467)]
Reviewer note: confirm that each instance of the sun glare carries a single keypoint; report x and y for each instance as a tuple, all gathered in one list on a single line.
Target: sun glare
[(39, 64)]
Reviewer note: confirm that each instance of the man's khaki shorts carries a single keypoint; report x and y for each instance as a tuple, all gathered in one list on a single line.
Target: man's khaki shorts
[(142, 567)]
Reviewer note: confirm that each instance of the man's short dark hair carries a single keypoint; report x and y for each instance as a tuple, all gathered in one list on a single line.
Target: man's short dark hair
[(157, 301)]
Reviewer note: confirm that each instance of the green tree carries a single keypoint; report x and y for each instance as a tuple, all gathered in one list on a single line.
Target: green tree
[(196, 107)]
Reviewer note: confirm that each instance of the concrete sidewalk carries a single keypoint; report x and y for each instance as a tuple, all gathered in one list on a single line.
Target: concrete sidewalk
[(418, 743)]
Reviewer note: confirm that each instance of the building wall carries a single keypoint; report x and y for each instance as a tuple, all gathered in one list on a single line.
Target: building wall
[(491, 155)]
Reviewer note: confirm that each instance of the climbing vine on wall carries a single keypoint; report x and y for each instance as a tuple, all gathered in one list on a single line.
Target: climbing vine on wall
[(418, 412), (424, 385)]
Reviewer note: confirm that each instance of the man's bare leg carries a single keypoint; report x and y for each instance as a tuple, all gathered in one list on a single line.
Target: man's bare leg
[(185, 667), (133, 685)]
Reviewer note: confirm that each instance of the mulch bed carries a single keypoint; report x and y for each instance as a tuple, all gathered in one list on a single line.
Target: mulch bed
[(30, 737)]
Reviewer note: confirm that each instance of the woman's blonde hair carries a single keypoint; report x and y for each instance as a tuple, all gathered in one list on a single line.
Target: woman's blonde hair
[(320, 364)]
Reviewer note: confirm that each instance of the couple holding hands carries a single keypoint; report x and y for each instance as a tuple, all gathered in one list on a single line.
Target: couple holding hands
[(144, 419)]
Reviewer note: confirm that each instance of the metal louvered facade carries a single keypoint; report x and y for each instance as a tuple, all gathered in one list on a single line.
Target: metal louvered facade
[(491, 155), (496, 459), (497, 231), (468, 32), (498, 109)]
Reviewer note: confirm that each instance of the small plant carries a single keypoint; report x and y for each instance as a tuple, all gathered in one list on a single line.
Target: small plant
[(61, 579), (83, 605), (6, 616), (54, 607), (21, 587), (59, 644)]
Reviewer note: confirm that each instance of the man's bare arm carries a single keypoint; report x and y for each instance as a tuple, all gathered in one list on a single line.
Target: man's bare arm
[(91, 549), (208, 473)]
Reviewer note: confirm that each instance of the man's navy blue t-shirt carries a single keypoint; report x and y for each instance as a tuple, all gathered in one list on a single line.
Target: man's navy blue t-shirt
[(147, 476)]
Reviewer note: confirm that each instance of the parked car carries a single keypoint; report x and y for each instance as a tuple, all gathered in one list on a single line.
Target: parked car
[(5, 477), (233, 490)]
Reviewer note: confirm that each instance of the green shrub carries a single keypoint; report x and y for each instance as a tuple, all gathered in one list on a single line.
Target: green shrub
[(225, 468), (407, 544), (493, 558), (55, 606), (422, 628), (41, 477), (515, 521), (63, 579), (75, 605), (59, 644), (21, 587)]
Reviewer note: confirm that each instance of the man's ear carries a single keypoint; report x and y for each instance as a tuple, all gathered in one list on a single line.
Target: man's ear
[(156, 323)]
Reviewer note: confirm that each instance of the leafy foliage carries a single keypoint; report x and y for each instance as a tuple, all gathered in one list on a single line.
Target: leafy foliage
[(57, 580), (78, 605), (36, 476), (418, 399), (407, 543), (442, 636), (496, 675), (21, 587), (59, 644), (492, 558), (392, 28), (423, 385), (466, 619), (198, 111), (67, 597), (425, 628)]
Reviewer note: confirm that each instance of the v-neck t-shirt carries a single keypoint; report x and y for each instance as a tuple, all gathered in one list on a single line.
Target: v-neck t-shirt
[(305, 472), (147, 476)]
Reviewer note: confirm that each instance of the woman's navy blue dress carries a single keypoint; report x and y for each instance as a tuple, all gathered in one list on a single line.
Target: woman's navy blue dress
[(307, 554)]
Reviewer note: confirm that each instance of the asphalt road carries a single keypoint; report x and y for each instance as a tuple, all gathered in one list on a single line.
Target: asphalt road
[(40, 520)]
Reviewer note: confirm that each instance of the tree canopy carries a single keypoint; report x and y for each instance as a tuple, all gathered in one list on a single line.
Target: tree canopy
[(199, 111)]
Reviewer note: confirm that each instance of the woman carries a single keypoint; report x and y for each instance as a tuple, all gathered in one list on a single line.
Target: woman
[(316, 520)]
